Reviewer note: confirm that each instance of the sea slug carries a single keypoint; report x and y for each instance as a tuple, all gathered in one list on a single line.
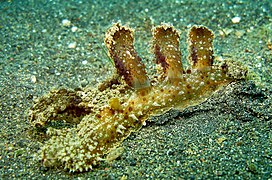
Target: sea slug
[(106, 115)]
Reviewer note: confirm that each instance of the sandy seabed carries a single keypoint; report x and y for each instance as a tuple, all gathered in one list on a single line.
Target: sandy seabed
[(227, 136)]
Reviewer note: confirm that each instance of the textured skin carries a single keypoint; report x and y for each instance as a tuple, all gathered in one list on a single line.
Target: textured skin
[(108, 115)]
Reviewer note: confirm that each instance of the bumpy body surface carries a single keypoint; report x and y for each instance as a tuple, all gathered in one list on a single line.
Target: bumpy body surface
[(106, 117)]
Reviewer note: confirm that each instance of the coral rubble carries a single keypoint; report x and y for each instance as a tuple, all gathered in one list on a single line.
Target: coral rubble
[(106, 115)]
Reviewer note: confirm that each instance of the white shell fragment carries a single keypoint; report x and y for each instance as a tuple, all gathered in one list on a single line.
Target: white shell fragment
[(66, 23), (236, 20)]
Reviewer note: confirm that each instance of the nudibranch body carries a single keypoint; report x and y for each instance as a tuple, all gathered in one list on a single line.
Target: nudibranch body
[(122, 105)]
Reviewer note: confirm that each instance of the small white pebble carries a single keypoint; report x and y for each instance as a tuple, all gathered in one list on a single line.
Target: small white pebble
[(66, 23), (84, 62), (74, 29), (236, 20), (33, 79), (178, 163), (72, 45), (258, 65)]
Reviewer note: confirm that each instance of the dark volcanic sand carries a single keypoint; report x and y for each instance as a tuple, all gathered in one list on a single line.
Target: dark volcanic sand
[(229, 136)]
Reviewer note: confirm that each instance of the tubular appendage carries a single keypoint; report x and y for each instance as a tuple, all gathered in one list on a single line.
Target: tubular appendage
[(200, 40), (167, 52), (119, 41)]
